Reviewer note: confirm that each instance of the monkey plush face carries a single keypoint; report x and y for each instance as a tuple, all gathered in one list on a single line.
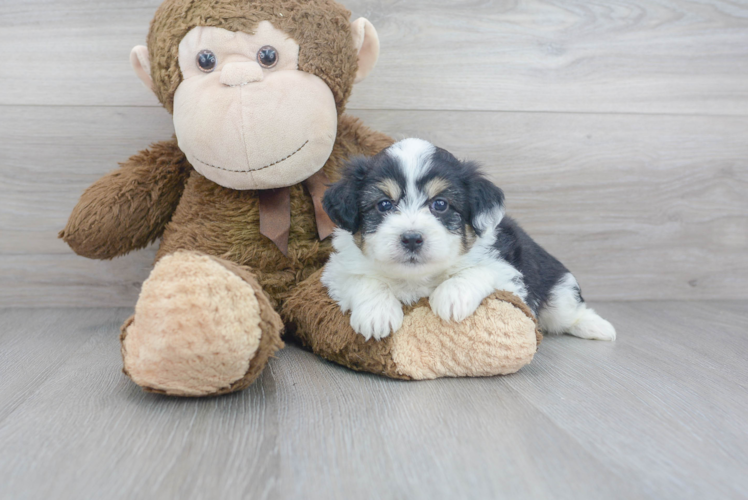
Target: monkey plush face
[(252, 109), (244, 114)]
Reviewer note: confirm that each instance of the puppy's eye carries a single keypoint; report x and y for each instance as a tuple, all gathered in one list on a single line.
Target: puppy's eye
[(439, 206), (206, 61), (267, 57), (385, 206)]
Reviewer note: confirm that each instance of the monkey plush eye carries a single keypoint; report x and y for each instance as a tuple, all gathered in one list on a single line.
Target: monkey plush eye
[(267, 57), (439, 206), (206, 61), (385, 206)]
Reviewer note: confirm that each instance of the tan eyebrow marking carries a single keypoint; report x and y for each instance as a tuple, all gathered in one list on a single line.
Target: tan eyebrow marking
[(390, 188), (435, 186)]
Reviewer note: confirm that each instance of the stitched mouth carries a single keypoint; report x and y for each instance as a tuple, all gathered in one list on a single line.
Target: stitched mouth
[(251, 169)]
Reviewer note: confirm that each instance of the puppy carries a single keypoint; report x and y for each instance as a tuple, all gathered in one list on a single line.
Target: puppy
[(413, 222)]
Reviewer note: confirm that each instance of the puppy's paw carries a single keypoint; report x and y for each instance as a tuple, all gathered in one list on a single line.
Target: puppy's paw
[(455, 299), (378, 319)]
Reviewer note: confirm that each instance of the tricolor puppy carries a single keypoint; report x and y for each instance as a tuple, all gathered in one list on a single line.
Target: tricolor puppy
[(416, 222)]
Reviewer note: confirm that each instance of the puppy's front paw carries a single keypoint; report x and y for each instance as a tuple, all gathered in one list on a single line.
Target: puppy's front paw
[(455, 299), (377, 319)]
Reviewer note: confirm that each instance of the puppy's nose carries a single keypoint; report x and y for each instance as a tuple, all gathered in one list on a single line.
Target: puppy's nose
[(412, 241), (241, 73)]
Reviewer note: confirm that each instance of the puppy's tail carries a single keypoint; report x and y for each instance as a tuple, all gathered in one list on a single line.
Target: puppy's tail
[(591, 326)]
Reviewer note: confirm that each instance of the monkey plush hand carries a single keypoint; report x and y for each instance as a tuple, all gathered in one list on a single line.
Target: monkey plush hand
[(258, 92)]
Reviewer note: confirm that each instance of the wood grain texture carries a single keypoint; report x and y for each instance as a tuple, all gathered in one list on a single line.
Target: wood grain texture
[(671, 56), (35, 344), (657, 414), (678, 364), (48, 156), (639, 207)]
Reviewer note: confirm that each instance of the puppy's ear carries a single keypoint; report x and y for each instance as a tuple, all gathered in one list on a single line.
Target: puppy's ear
[(486, 204), (341, 199)]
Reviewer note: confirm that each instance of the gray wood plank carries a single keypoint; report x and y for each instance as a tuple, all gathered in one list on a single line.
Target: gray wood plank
[(672, 56), (48, 156), (706, 353), (451, 439), (639, 207), (652, 415), (34, 344), (66, 280), (664, 404)]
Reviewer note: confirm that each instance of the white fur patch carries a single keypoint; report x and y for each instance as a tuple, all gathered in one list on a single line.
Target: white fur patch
[(564, 313), (352, 282), (414, 157), (489, 220), (473, 277), (439, 249)]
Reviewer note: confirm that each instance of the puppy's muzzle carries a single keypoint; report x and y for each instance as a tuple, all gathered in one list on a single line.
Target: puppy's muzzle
[(411, 241)]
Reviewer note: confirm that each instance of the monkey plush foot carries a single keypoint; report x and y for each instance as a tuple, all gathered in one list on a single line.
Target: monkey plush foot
[(498, 339), (202, 327)]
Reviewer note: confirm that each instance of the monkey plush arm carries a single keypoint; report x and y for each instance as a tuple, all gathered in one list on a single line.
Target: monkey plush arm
[(127, 209)]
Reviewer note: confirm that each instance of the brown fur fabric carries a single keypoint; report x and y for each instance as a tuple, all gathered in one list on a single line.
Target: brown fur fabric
[(321, 27), (226, 223), (314, 319), (129, 208)]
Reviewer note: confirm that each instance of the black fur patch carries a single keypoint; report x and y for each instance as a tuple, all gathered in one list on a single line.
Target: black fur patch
[(470, 193), (540, 270), (352, 202), (341, 199)]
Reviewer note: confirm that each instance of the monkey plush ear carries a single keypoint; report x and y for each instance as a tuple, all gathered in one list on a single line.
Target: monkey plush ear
[(141, 63), (366, 41)]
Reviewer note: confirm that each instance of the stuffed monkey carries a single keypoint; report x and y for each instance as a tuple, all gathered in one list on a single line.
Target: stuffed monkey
[(257, 90)]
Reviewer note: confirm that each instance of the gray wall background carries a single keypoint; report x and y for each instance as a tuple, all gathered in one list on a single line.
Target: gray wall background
[(619, 131)]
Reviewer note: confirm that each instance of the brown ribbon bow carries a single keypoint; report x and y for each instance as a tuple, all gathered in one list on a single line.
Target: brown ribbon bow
[(275, 211)]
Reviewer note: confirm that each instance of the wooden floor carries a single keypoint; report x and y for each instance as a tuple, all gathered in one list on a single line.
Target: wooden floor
[(661, 413)]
